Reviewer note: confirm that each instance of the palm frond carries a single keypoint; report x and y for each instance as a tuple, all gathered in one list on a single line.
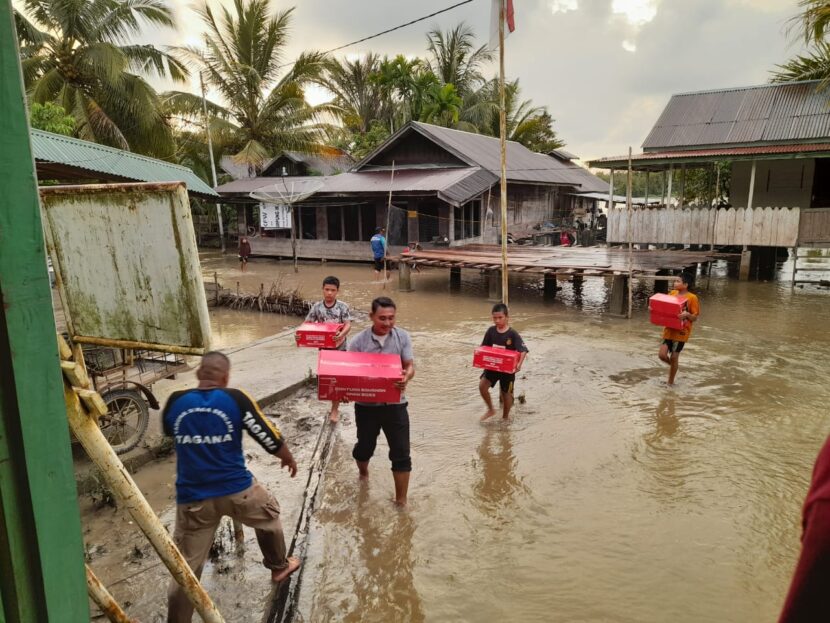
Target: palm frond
[(147, 59), (814, 65)]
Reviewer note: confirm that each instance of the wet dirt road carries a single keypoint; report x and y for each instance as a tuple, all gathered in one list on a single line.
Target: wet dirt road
[(610, 497)]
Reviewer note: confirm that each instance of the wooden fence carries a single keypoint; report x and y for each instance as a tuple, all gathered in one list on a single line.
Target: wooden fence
[(762, 227)]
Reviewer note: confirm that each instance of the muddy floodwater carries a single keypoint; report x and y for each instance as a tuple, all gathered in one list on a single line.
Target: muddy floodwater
[(609, 496)]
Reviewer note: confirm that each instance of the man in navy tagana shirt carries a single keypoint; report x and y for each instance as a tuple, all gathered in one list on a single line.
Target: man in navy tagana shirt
[(212, 480)]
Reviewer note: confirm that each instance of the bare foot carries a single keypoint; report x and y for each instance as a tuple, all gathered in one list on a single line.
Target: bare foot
[(490, 413), (334, 416), (399, 503), (278, 575)]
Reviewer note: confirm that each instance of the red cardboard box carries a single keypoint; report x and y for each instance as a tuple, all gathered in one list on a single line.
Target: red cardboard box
[(318, 334), (358, 377), (665, 310), (495, 358)]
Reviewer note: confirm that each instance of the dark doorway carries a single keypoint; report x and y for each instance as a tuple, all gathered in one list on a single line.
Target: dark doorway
[(427, 221), (308, 222), (821, 184)]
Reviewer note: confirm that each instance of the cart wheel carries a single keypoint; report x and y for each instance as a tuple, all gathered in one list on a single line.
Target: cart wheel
[(126, 421)]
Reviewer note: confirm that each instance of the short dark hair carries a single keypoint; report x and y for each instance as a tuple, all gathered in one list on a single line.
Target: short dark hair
[(331, 280), (500, 308), (383, 301), (685, 277)]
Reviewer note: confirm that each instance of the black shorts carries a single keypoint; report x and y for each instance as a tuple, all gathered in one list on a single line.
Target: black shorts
[(379, 265), (504, 380), (674, 345), (393, 420)]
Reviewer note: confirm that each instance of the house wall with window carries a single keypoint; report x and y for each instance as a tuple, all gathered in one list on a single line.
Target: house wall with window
[(778, 183)]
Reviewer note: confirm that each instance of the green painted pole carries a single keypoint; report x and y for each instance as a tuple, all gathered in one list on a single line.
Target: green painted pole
[(41, 550)]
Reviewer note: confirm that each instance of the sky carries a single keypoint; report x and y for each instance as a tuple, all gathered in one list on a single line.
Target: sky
[(604, 68)]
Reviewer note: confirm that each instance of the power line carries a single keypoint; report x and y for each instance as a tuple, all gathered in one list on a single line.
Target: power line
[(388, 30)]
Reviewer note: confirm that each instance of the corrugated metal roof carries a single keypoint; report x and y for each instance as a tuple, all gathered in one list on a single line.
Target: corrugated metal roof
[(523, 165), (112, 163), (455, 186), (723, 153), (326, 164), (769, 113)]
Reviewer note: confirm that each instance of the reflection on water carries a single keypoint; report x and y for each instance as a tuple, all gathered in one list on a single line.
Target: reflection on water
[(610, 497)]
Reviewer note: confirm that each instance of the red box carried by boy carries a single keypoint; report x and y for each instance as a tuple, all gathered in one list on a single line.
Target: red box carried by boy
[(665, 310), (358, 377), (318, 334), (497, 359)]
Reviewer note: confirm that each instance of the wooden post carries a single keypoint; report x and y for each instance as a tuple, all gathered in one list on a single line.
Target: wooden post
[(646, 197), (630, 236), (503, 144), (550, 286), (494, 282), (404, 277), (746, 254), (388, 215), (42, 577), (682, 185), (294, 238), (619, 291), (668, 186), (455, 278), (610, 192)]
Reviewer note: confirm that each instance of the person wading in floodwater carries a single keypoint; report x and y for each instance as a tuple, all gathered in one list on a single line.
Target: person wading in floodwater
[(392, 418), (332, 310), (378, 243), (244, 252), (500, 334), (211, 478), (675, 339)]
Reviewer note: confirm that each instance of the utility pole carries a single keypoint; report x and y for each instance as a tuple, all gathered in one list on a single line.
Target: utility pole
[(212, 163), (503, 142)]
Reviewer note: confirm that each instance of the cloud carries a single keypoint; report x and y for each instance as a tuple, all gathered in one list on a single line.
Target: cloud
[(604, 68), (563, 6)]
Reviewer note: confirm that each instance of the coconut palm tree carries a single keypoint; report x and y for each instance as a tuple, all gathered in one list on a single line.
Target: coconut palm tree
[(814, 24), (75, 53), (262, 97), (360, 96), (530, 125)]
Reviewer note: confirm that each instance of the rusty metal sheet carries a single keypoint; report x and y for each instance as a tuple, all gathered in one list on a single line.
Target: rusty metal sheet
[(127, 264)]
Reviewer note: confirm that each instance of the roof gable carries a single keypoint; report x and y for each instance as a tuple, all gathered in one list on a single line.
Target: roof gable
[(478, 150), (766, 114), (412, 149)]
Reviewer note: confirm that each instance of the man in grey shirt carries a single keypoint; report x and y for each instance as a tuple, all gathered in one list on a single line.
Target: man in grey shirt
[(391, 418)]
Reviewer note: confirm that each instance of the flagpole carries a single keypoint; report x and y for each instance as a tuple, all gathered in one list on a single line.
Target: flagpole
[(503, 141)]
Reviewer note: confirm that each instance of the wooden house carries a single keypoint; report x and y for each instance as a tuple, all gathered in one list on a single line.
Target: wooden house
[(776, 138), (443, 185)]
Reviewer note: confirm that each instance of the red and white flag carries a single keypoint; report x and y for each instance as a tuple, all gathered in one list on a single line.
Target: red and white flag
[(509, 21)]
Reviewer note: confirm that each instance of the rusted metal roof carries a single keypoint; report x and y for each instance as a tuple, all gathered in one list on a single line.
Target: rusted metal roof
[(455, 186), (63, 157), (770, 113), (711, 155)]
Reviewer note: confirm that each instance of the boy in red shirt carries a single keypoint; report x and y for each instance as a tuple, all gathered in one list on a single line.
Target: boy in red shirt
[(675, 339)]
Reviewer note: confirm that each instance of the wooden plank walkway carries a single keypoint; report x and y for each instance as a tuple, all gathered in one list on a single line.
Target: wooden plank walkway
[(587, 261)]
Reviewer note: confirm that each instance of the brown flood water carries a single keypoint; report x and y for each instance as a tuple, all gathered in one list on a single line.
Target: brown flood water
[(609, 497)]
